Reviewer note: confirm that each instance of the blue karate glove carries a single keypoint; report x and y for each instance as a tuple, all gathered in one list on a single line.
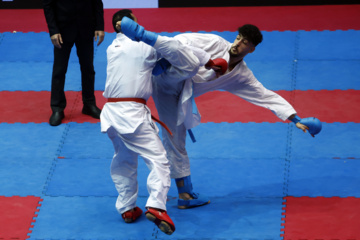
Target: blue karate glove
[(313, 124)]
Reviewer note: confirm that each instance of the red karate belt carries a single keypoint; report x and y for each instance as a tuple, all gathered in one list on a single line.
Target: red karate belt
[(143, 101)]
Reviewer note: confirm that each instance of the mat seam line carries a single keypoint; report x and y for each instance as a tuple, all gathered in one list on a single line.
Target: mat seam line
[(289, 134)]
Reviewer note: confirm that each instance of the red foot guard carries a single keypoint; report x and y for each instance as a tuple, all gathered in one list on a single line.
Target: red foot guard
[(161, 219), (131, 215)]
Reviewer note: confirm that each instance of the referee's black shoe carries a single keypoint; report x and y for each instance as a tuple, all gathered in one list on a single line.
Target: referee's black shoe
[(56, 118), (91, 110)]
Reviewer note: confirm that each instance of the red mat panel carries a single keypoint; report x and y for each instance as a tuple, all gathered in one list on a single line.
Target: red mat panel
[(328, 106), (217, 106), (332, 106), (225, 107), (31, 106), (280, 18), (17, 215), (321, 218)]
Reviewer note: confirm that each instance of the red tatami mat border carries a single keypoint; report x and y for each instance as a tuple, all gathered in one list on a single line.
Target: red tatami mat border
[(274, 18), (217, 106)]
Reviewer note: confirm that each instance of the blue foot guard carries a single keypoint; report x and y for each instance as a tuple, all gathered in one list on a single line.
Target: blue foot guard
[(187, 188)]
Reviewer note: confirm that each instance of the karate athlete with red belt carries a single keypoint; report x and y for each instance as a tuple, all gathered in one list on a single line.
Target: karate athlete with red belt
[(128, 121)]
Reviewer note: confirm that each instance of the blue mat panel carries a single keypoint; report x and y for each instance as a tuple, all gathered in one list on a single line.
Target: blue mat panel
[(324, 177), (329, 75), (308, 44), (26, 47), (336, 140), (85, 140), (36, 76), (329, 45), (275, 75), (100, 51), (250, 218), (272, 62), (96, 218), (30, 141), (238, 177), (29, 47), (100, 75), (24, 176), (275, 46), (240, 140), (26, 76), (75, 177), (234, 177)]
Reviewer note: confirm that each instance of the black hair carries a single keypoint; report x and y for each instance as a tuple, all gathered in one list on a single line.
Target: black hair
[(251, 33), (118, 16)]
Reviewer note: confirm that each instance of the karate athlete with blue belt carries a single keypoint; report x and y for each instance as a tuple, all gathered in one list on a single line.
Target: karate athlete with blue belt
[(176, 106)]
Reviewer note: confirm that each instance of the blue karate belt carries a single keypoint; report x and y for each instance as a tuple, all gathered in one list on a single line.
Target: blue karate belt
[(194, 111)]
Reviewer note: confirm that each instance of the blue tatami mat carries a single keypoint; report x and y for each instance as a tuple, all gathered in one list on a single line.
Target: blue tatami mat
[(336, 140), (272, 63), (275, 75), (324, 177), (75, 177), (29, 141), (275, 46), (329, 45), (100, 51), (25, 76), (36, 76), (85, 140), (238, 177), (232, 177), (28, 47), (24, 176), (240, 140), (96, 218), (100, 75), (329, 75)]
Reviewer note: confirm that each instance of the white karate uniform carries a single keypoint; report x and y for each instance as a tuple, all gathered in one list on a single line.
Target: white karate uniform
[(176, 109), (129, 124)]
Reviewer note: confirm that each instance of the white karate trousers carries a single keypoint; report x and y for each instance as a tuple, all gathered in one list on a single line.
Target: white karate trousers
[(144, 142)]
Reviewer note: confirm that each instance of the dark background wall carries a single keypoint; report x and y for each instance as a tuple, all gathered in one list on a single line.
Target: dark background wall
[(21, 4), (37, 4)]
